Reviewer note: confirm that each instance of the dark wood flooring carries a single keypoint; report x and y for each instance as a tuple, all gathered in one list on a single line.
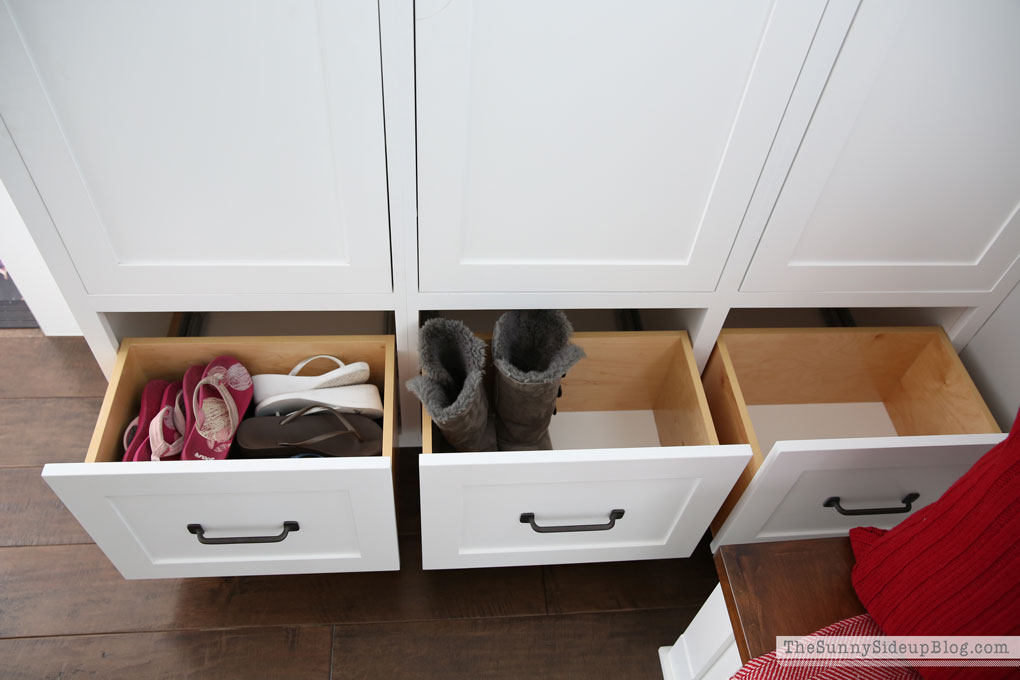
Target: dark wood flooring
[(14, 312), (65, 612)]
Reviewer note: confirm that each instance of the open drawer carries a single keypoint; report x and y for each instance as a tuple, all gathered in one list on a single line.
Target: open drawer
[(848, 426), (339, 512), (633, 433)]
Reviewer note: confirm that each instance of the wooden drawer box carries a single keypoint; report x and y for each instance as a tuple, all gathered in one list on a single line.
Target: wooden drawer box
[(633, 433), (878, 418), (139, 512)]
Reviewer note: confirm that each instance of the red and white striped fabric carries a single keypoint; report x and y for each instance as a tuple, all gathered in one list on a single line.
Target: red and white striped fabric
[(767, 667)]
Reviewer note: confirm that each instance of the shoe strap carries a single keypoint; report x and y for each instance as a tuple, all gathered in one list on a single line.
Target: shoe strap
[(129, 432), (228, 400), (180, 416), (160, 448), (302, 364), (307, 410)]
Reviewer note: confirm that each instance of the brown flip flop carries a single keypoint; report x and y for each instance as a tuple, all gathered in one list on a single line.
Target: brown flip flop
[(326, 431)]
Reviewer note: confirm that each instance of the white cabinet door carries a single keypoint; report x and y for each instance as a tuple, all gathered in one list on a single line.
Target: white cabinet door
[(196, 147), (595, 145), (553, 507), (908, 178)]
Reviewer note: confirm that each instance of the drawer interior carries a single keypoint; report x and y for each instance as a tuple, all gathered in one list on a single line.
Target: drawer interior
[(144, 359), (766, 385), (633, 389)]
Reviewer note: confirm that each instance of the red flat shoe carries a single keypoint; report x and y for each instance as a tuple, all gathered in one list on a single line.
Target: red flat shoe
[(220, 399), (138, 429)]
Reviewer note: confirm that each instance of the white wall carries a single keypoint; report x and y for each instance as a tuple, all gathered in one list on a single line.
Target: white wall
[(22, 259), (993, 359)]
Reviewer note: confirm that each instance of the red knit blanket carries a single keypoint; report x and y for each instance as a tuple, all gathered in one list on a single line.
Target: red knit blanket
[(767, 667)]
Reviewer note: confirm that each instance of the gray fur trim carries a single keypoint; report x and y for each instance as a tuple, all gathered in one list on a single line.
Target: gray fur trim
[(452, 363), (533, 346)]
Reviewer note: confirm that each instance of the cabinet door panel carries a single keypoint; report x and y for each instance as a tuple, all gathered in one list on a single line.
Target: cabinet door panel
[(594, 145), (908, 178), (195, 147)]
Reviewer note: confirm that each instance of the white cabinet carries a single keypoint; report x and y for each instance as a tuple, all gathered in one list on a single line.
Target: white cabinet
[(908, 177), (204, 148), (594, 146)]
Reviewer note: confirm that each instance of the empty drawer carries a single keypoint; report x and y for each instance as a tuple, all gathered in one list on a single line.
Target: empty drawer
[(636, 457), (233, 517), (848, 427)]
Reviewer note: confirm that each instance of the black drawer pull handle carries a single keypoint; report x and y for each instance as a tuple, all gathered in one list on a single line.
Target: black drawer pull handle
[(833, 502), (233, 540), (529, 518)]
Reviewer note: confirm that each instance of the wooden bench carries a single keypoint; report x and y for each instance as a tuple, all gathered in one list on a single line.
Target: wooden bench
[(785, 588), (769, 589)]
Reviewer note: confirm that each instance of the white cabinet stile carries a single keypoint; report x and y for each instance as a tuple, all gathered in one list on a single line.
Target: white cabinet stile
[(707, 650)]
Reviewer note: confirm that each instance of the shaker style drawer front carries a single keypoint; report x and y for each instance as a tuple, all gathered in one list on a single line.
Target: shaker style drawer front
[(636, 472), (232, 517), (819, 488), (550, 507), (848, 427), (149, 521)]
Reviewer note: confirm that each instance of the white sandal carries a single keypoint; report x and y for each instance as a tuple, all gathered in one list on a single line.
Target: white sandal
[(360, 399), (272, 384)]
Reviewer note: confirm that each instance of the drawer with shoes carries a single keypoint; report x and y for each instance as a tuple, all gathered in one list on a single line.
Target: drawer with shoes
[(848, 427), (626, 465), (284, 512)]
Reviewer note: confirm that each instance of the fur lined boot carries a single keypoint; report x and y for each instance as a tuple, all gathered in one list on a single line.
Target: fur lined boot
[(531, 351), (451, 387)]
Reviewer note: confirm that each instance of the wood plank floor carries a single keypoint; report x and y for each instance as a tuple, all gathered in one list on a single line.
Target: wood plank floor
[(65, 612)]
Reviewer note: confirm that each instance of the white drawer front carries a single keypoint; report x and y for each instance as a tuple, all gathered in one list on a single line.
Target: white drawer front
[(472, 503), (139, 514), (785, 498)]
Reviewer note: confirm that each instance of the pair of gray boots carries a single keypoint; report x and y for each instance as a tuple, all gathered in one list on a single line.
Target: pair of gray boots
[(531, 352)]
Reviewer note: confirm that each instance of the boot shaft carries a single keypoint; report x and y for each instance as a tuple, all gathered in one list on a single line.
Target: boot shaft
[(452, 387), (532, 352)]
